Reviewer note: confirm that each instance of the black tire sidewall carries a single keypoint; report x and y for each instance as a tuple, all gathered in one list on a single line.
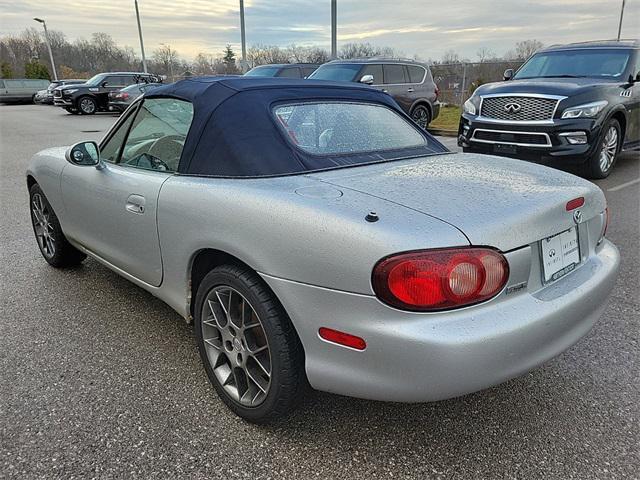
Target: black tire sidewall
[(271, 316)]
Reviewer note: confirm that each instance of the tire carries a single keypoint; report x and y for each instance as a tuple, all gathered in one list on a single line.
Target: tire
[(260, 388), (601, 162), (71, 110), (421, 116), (87, 105), (53, 245)]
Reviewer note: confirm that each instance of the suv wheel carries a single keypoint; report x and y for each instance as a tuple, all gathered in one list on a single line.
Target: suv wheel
[(600, 164), (87, 105), (420, 114), (248, 346)]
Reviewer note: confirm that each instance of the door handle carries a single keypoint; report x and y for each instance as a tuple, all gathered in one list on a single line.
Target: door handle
[(135, 204), (410, 90)]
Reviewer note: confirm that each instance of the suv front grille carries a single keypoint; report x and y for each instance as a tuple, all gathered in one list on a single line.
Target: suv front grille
[(518, 109)]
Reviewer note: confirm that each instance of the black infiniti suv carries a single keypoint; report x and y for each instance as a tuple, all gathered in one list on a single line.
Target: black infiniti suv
[(575, 106), (93, 95), (409, 83)]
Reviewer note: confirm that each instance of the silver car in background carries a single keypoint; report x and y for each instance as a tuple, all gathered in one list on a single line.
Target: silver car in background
[(325, 239)]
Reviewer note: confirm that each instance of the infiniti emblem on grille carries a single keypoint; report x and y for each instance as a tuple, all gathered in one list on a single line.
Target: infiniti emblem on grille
[(577, 216), (512, 108)]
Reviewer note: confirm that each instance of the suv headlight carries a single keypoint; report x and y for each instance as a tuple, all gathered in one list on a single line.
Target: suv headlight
[(470, 106), (73, 90), (588, 110)]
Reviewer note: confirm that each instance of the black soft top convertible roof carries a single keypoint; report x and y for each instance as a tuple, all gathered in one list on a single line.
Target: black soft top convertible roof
[(234, 132)]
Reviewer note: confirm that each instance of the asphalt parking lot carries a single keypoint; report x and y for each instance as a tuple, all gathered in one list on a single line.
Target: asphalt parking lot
[(100, 379)]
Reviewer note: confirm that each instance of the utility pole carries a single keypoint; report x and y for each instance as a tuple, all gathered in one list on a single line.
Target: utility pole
[(620, 24), (46, 37), (334, 28), (243, 40), (144, 59)]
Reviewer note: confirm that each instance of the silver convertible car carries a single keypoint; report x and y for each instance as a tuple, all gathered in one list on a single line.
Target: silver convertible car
[(316, 236)]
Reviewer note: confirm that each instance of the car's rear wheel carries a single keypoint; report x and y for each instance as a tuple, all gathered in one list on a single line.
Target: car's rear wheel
[(87, 105), (248, 346), (53, 245), (420, 114), (601, 163)]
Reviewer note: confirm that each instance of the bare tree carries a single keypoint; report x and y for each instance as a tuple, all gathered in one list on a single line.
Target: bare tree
[(364, 50), (485, 54), (165, 60), (524, 50)]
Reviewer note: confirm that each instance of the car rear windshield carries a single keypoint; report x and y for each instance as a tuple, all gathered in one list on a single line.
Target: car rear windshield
[(342, 72), (337, 128), (593, 63)]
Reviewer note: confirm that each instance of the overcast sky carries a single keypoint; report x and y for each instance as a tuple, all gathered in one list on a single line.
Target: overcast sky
[(412, 27)]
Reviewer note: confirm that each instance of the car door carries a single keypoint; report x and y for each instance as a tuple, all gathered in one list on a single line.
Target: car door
[(396, 84), (111, 210), (633, 106)]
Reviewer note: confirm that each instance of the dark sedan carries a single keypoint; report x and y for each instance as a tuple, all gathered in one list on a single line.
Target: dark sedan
[(120, 100)]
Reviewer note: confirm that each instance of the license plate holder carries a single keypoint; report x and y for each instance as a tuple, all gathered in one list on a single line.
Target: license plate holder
[(559, 254), (505, 148)]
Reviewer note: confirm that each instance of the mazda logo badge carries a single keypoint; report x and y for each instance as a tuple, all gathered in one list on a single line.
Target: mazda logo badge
[(577, 216), (512, 108)]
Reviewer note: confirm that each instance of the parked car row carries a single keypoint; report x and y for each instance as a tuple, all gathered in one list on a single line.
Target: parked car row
[(410, 83)]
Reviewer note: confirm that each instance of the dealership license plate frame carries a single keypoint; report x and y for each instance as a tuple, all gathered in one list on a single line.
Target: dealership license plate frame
[(569, 256)]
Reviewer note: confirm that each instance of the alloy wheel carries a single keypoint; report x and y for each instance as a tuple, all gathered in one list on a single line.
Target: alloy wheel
[(236, 345), (87, 105), (609, 149), (421, 116), (42, 225)]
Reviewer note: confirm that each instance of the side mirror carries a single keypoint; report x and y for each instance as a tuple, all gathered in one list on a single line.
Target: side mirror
[(508, 74), (633, 80), (104, 84), (85, 154), (368, 79)]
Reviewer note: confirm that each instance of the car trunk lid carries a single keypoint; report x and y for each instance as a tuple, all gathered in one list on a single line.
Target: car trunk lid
[(494, 201)]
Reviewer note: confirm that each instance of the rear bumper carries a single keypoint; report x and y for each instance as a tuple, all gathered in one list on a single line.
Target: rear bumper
[(556, 148), (413, 357), (118, 106)]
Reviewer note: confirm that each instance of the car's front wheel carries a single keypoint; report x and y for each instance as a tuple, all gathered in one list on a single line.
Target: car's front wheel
[(420, 114), (248, 346), (87, 105), (601, 163), (54, 246)]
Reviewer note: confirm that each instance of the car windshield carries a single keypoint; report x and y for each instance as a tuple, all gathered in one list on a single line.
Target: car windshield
[(340, 72), (335, 128), (95, 80), (592, 63), (263, 72)]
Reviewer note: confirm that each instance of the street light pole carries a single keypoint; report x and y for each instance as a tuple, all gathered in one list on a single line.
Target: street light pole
[(144, 59), (620, 24), (334, 28), (243, 40), (46, 37)]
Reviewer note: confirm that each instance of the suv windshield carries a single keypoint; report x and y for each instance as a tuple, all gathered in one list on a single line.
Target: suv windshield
[(594, 63), (341, 72), (96, 79), (262, 72)]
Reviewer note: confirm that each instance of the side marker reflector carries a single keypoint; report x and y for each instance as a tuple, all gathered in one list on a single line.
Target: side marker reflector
[(341, 338)]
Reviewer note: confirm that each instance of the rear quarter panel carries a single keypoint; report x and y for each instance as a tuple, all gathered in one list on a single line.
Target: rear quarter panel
[(321, 238)]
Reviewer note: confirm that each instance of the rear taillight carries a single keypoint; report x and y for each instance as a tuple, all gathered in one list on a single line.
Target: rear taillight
[(124, 95), (437, 92), (440, 279)]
